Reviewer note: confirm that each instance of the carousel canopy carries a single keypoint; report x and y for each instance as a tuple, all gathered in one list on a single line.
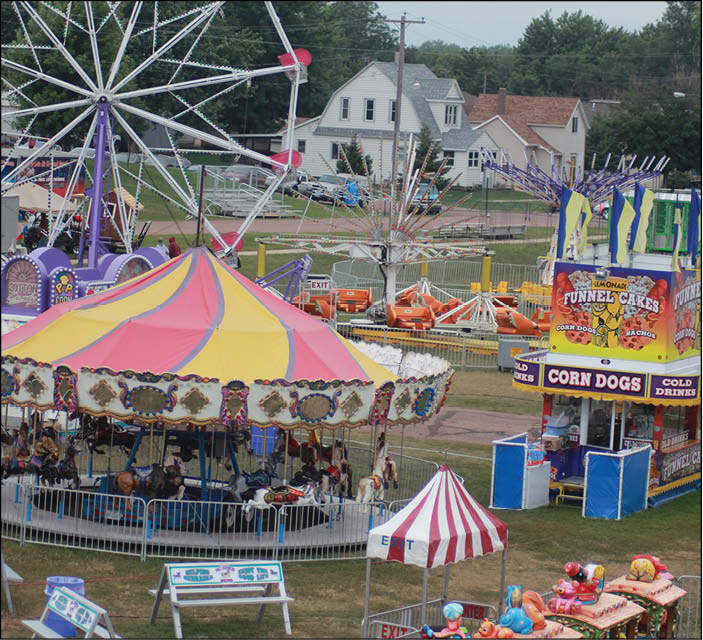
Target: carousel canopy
[(443, 524), (193, 340)]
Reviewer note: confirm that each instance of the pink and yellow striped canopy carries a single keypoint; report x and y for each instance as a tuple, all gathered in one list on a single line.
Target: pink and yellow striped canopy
[(192, 315)]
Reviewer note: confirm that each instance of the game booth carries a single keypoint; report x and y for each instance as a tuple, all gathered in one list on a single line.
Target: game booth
[(621, 388)]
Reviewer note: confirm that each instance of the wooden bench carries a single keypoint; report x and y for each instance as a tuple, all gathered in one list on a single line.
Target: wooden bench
[(79, 611), (181, 581), (570, 488)]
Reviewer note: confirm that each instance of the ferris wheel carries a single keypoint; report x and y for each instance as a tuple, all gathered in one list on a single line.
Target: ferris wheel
[(141, 58)]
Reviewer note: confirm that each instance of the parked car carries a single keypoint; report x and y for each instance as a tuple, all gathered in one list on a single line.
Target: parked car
[(247, 174), (425, 199)]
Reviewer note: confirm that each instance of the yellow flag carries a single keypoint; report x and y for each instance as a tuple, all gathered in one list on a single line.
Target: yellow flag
[(586, 216)]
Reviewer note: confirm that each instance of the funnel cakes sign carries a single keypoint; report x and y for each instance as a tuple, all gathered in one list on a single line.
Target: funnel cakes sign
[(614, 313)]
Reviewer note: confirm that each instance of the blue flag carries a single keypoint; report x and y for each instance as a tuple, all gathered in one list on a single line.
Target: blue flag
[(621, 216), (694, 224), (678, 229)]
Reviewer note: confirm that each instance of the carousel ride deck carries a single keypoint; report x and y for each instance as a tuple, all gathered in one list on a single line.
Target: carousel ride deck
[(61, 516)]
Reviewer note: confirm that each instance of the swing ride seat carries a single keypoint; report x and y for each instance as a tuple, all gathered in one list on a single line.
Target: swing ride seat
[(542, 318), (417, 318), (511, 322), (353, 300), (318, 306)]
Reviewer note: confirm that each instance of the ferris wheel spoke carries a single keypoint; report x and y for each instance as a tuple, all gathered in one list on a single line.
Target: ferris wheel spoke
[(50, 107), (205, 137), (123, 45), (124, 218), (93, 42), (25, 131), (159, 167), (62, 218), (57, 43), (167, 46), (18, 90), (47, 78), (47, 145)]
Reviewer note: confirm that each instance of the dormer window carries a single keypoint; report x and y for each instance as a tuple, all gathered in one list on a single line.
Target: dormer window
[(449, 157), (450, 114)]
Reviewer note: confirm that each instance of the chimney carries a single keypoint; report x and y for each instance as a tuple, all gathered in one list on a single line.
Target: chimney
[(501, 101)]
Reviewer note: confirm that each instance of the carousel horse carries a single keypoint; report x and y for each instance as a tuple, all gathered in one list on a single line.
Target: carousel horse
[(46, 455), (97, 432), (280, 495), (372, 487), (338, 474), (158, 481), (65, 469), (18, 460), (240, 485)]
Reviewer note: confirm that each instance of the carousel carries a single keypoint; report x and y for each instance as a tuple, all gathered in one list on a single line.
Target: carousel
[(195, 352)]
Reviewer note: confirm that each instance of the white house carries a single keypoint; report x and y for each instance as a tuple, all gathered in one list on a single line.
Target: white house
[(365, 106), (543, 130)]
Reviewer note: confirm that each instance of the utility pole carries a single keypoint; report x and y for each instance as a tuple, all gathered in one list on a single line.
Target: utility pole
[(398, 98), (389, 292), (485, 75)]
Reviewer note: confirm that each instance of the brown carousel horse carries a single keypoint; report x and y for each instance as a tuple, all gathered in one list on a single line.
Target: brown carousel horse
[(158, 481)]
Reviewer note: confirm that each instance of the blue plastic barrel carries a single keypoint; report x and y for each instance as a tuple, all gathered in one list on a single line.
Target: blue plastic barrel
[(57, 623)]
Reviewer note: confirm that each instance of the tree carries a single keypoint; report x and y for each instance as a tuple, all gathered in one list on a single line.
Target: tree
[(426, 144), (353, 154)]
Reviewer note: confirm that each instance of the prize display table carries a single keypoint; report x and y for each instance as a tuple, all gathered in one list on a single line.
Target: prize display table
[(659, 598), (610, 617), (570, 488)]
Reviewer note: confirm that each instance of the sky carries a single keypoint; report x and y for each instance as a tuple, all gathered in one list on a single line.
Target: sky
[(477, 24)]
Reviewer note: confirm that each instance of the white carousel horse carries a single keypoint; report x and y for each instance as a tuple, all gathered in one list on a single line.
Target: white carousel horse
[(372, 487), (290, 495)]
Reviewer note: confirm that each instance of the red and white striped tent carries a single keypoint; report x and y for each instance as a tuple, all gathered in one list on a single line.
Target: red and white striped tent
[(442, 525)]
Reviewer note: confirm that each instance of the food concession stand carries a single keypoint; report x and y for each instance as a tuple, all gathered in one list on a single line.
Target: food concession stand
[(622, 371)]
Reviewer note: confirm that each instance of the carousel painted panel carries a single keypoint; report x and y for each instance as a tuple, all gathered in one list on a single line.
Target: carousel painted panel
[(309, 404), (166, 397), (27, 383), (418, 399)]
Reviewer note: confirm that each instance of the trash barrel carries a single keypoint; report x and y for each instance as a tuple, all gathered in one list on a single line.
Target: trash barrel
[(54, 621)]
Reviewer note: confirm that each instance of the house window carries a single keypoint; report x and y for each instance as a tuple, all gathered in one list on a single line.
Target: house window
[(474, 159), (449, 157), (369, 105), (335, 151), (344, 111), (301, 146), (392, 111), (450, 114), (574, 125)]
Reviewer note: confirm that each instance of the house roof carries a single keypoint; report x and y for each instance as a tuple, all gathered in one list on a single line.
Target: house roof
[(298, 122), (460, 139), (528, 109), (469, 102)]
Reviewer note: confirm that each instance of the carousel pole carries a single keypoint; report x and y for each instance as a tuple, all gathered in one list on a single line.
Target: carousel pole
[(151, 442), (425, 580), (285, 459), (367, 595)]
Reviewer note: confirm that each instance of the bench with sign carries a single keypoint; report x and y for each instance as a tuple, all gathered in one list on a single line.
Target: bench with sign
[(9, 575), (215, 584), (80, 612)]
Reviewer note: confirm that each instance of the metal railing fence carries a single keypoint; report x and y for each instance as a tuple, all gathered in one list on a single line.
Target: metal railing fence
[(689, 621), (411, 617), (475, 350), (335, 530)]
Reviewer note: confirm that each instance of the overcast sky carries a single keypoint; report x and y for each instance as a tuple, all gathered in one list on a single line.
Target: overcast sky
[(476, 24)]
